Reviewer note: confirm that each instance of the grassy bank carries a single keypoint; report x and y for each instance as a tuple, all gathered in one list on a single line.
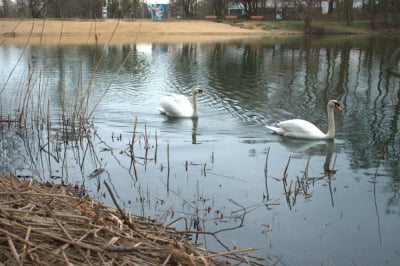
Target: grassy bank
[(318, 27)]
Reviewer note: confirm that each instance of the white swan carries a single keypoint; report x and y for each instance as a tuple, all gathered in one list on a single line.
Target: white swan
[(179, 106), (298, 128)]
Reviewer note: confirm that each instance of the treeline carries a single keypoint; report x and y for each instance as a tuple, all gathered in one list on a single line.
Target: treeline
[(383, 11)]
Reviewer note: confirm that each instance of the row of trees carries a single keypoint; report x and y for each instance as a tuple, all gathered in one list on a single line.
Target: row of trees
[(387, 10)]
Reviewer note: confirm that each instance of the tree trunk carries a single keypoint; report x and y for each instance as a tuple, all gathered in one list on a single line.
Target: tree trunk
[(372, 11), (330, 7), (348, 11), (395, 18)]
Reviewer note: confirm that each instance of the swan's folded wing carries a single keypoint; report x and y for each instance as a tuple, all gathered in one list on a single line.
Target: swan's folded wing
[(176, 105), (299, 128), (182, 101), (179, 98)]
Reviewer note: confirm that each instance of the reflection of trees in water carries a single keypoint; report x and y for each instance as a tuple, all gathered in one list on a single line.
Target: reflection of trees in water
[(302, 75)]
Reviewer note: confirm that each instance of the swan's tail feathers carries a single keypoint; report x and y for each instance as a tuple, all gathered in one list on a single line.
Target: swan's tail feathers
[(162, 111), (275, 130)]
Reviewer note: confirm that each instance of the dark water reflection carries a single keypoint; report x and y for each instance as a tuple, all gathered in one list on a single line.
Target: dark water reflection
[(224, 166)]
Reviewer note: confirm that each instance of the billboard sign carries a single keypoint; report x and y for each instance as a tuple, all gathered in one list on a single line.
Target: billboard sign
[(159, 11)]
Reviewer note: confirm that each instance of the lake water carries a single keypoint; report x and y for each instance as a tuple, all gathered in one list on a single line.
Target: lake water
[(298, 202)]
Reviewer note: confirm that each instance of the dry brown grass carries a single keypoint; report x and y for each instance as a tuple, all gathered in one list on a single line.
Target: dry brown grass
[(120, 31), (48, 224)]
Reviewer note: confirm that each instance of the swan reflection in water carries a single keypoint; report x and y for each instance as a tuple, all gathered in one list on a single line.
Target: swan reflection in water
[(183, 125), (306, 147), (312, 148)]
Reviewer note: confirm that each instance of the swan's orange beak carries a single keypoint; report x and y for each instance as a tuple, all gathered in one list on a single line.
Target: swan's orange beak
[(338, 107), (201, 92)]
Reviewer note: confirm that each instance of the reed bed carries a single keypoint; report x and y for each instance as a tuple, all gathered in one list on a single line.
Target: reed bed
[(48, 224)]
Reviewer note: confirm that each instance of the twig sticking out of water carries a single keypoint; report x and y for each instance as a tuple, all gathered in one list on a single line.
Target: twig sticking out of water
[(169, 166), (376, 209), (305, 176), (266, 174), (156, 148), (132, 150), (284, 182), (146, 145)]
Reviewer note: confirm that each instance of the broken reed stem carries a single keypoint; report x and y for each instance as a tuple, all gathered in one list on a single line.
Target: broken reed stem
[(305, 176), (133, 137), (169, 167), (284, 176), (155, 150), (231, 252), (48, 136), (146, 146), (285, 172), (13, 249), (266, 173), (131, 145)]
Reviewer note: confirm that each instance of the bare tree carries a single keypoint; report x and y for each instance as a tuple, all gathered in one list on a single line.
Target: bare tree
[(250, 6), (37, 8), (114, 8), (188, 7), (218, 7)]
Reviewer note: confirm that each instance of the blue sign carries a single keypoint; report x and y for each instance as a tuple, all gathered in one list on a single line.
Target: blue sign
[(159, 11)]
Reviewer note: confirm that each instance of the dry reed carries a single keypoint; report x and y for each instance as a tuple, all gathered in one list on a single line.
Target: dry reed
[(47, 224)]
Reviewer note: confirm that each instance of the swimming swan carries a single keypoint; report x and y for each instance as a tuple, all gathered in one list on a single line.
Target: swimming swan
[(298, 128), (178, 105)]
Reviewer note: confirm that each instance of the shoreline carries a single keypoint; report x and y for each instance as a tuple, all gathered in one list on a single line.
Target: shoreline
[(109, 31)]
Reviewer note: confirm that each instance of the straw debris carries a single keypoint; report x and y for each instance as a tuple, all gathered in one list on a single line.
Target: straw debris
[(49, 224)]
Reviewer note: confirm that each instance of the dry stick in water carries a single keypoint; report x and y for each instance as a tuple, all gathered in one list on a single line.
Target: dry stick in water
[(131, 148), (168, 166), (155, 150), (266, 174), (19, 59), (305, 177), (146, 146), (284, 181), (284, 176), (48, 136)]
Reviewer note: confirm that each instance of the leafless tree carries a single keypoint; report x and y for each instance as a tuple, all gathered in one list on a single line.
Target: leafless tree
[(250, 6)]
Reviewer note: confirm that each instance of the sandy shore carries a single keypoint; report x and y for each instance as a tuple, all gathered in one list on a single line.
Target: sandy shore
[(122, 31)]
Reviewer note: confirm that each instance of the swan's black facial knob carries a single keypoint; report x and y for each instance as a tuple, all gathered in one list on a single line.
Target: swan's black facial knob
[(338, 106)]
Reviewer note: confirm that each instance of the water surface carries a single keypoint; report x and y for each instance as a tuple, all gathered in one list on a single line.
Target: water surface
[(299, 202)]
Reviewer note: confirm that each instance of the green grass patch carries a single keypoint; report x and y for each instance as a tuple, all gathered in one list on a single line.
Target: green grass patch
[(325, 27)]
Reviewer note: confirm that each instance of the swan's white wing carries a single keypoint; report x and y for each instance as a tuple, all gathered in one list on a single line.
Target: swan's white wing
[(298, 128), (176, 105)]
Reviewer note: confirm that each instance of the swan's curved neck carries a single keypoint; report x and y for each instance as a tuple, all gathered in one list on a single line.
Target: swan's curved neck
[(331, 123), (195, 114)]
